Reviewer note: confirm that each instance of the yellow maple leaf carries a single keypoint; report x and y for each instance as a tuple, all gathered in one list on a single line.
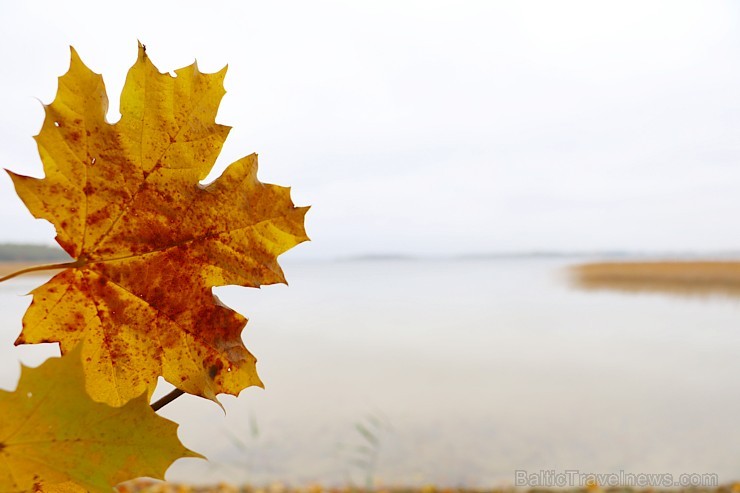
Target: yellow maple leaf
[(149, 240), (53, 437)]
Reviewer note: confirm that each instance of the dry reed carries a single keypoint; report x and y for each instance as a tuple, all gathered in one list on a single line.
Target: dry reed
[(675, 277)]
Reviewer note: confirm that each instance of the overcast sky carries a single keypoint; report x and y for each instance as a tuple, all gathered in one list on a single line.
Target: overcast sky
[(431, 127)]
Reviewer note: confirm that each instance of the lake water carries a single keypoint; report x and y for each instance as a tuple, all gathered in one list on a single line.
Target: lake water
[(462, 372)]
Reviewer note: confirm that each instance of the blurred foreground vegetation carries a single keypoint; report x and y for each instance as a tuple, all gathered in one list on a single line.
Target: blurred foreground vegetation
[(149, 486)]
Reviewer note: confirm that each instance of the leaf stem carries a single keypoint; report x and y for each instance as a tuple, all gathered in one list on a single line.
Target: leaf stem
[(156, 406), (37, 268)]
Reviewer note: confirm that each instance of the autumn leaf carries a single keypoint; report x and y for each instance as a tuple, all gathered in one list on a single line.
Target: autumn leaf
[(150, 241), (53, 437)]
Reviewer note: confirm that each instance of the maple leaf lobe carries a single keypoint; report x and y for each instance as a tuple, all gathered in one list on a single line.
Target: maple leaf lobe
[(149, 239), (57, 438)]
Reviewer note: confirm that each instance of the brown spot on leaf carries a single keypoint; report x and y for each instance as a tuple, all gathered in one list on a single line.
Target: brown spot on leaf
[(214, 369), (97, 217)]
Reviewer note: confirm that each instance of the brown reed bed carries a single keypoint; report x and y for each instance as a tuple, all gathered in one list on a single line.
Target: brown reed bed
[(674, 277)]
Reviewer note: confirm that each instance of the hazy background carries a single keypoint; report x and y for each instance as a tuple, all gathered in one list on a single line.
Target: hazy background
[(434, 127), (438, 129)]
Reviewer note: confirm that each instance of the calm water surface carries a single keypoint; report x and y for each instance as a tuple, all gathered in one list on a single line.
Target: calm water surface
[(463, 372)]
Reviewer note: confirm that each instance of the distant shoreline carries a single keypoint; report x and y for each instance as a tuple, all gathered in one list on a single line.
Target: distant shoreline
[(30, 253), (8, 267), (34, 253), (596, 256)]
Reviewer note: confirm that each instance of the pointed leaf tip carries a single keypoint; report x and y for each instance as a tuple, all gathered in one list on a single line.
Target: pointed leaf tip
[(74, 58), (142, 50)]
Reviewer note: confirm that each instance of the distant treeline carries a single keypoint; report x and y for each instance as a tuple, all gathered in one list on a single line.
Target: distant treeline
[(17, 252)]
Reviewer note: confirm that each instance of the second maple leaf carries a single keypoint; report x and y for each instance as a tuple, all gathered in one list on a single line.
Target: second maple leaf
[(149, 241)]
